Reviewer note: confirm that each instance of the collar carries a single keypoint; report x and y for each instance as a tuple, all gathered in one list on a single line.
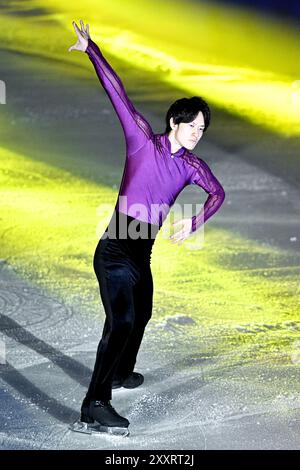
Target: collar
[(167, 145)]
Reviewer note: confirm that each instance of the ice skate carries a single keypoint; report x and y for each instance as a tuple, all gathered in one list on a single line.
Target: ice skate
[(100, 417), (135, 379)]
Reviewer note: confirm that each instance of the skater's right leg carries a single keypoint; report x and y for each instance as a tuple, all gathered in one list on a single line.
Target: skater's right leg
[(143, 302), (116, 279), (117, 297)]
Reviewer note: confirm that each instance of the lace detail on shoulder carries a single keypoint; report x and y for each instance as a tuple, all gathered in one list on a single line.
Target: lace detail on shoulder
[(191, 159), (157, 142)]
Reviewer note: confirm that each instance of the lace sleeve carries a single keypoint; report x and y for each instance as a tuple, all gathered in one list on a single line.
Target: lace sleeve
[(136, 129), (204, 178)]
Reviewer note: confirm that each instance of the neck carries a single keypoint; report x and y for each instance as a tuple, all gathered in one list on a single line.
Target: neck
[(174, 144)]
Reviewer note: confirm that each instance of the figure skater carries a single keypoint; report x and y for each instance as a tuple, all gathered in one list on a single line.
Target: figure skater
[(157, 168)]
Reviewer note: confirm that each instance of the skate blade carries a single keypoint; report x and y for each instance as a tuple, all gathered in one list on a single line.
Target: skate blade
[(98, 429)]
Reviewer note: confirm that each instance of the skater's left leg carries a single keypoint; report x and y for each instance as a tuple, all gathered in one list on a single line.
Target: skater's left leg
[(143, 302)]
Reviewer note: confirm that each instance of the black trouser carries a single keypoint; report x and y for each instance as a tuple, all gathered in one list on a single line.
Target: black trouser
[(122, 267)]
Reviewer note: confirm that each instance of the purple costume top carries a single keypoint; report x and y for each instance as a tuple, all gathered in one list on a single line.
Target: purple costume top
[(153, 176)]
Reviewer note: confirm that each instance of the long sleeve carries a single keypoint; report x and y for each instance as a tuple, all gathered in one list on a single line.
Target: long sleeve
[(136, 129), (204, 178)]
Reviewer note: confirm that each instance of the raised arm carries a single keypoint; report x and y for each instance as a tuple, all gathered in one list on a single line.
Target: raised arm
[(136, 129), (204, 178)]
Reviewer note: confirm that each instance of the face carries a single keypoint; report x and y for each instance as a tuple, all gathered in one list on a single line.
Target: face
[(188, 134)]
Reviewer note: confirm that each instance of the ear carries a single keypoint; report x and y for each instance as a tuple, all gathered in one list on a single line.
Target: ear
[(172, 125)]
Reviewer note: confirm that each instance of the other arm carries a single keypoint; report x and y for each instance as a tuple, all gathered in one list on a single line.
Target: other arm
[(136, 129), (205, 179)]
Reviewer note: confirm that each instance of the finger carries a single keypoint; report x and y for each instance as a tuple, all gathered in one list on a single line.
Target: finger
[(82, 25), (175, 239), (87, 29), (174, 236), (77, 30), (181, 240)]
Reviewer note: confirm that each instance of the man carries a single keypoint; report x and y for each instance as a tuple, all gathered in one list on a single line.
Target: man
[(157, 168)]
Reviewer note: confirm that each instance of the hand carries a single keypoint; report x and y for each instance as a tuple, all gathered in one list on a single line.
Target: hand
[(183, 233), (83, 36)]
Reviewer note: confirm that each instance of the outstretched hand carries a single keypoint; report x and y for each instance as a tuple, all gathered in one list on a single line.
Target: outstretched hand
[(184, 233), (83, 35)]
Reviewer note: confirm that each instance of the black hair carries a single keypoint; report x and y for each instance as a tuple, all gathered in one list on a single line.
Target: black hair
[(186, 109)]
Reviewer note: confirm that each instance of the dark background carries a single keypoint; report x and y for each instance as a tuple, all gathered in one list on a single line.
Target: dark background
[(283, 8)]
